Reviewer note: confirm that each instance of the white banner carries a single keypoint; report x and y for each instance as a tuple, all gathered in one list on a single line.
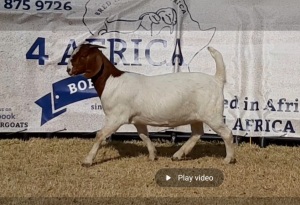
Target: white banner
[(259, 40)]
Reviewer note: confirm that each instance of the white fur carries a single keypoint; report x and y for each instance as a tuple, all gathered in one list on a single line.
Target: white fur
[(70, 65), (167, 100)]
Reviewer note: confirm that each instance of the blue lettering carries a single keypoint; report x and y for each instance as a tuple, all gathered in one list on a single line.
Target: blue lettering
[(136, 52), (120, 52), (148, 52), (66, 55)]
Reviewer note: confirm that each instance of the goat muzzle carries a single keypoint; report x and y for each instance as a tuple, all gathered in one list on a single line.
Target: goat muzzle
[(69, 71)]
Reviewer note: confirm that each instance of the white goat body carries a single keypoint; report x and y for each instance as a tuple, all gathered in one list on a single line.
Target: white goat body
[(166, 100)]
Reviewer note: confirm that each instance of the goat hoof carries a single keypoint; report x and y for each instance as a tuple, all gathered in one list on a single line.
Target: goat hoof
[(153, 158), (177, 156), (86, 164), (229, 161), (175, 159)]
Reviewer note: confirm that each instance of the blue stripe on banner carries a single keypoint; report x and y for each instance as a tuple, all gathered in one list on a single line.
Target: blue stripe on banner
[(65, 92)]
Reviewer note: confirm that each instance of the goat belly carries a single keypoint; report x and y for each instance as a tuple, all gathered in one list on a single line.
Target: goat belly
[(159, 122)]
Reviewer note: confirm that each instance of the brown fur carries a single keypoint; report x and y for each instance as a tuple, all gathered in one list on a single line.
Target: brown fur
[(91, 61)]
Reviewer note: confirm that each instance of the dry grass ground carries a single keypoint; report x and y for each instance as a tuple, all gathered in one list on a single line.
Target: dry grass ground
[(52, 168)]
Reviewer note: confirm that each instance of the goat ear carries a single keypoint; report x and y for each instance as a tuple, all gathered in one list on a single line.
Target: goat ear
[(94, 64)]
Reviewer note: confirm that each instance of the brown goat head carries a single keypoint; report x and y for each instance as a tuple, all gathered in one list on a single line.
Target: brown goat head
[(85, 60)]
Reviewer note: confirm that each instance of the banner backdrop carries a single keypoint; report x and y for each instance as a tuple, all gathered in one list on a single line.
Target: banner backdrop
[(259, 40)]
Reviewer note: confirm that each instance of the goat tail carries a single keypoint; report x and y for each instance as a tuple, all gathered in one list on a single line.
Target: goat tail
[(220, 66)]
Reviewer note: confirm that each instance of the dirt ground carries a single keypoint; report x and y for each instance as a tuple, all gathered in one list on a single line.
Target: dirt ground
[(52, 168)]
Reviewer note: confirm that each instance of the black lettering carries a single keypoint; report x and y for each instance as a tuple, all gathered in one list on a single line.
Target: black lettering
[(258, 125), (267, 125), (238, 125), (274, 125), (253, 105), (296, 105), (246, 103), (270, 105), (234, 103), (177, 54), (289, 127), (280, 103)]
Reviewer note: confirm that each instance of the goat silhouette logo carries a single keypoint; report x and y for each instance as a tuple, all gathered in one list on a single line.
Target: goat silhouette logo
[(155, 22), (151, 16)]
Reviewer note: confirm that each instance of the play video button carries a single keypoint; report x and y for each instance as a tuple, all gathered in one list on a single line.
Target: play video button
[(189, 177)]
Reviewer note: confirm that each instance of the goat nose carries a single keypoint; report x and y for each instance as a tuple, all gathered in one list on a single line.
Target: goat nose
[(68, 70)]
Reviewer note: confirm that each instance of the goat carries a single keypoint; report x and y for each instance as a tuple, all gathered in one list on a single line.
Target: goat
[(168, 100)]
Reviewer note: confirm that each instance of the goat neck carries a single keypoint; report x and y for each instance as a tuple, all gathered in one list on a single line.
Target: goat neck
[(107, 70)]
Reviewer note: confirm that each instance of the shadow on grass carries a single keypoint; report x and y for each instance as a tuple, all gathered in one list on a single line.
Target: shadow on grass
[(127, 150)]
